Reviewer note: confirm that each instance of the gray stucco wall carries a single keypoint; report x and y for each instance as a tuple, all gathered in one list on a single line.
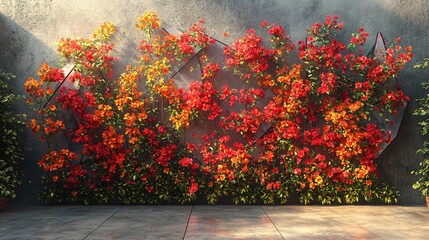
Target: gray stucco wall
[(30, 28)]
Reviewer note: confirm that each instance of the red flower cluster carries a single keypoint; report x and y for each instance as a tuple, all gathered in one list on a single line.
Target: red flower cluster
[(284, 129)]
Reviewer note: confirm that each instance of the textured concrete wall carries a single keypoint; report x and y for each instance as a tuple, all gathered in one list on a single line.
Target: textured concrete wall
[(30, 28)]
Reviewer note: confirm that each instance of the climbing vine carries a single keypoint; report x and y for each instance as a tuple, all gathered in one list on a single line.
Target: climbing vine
[(268, 129)]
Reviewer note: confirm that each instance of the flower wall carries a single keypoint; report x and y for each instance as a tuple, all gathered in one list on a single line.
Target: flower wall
[(268, 129)]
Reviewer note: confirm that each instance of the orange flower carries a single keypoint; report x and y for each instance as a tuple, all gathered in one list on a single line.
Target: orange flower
[(368, 182), (148, 21), (34, 88), (49, 91), (130, 119), (55, 178), (355, 106), (52, 127), (44, 72), (34, 126), (319, 180), (221, 177), (133, 140), (269, 155), (112, 139), (54, 160)]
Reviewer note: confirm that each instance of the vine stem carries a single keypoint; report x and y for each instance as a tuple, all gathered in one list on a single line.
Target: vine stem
[(56, 90)]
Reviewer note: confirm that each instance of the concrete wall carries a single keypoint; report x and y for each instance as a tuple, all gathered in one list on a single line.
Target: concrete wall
[(30, 28)]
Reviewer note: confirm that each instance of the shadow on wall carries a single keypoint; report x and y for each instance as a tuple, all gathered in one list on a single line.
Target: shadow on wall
[(16, 58), (8, 51), (21, 51)]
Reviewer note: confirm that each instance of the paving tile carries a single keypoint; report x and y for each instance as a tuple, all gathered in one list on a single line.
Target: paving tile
[(15, 214), (145, 222), (315, 222), (214, 222), (61, 222), (390, 222), (230, 222)]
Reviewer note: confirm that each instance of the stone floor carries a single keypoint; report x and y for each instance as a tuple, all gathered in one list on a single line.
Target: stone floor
[(214, 222)]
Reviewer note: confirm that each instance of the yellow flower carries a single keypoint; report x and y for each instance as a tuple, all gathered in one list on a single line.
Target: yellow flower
[(148, 21), (104, 31), (319, 180)]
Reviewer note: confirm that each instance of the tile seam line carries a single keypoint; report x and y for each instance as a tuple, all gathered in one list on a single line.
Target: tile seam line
[(32, 217), (102, 223), (266, 214), (360, 225), (187, 224)]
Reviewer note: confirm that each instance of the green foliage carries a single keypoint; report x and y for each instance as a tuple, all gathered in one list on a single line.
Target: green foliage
[(422, 184), (10, 125), (320, 146)]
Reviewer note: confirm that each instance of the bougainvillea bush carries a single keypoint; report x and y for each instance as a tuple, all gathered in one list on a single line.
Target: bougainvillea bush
[(278, 129)]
